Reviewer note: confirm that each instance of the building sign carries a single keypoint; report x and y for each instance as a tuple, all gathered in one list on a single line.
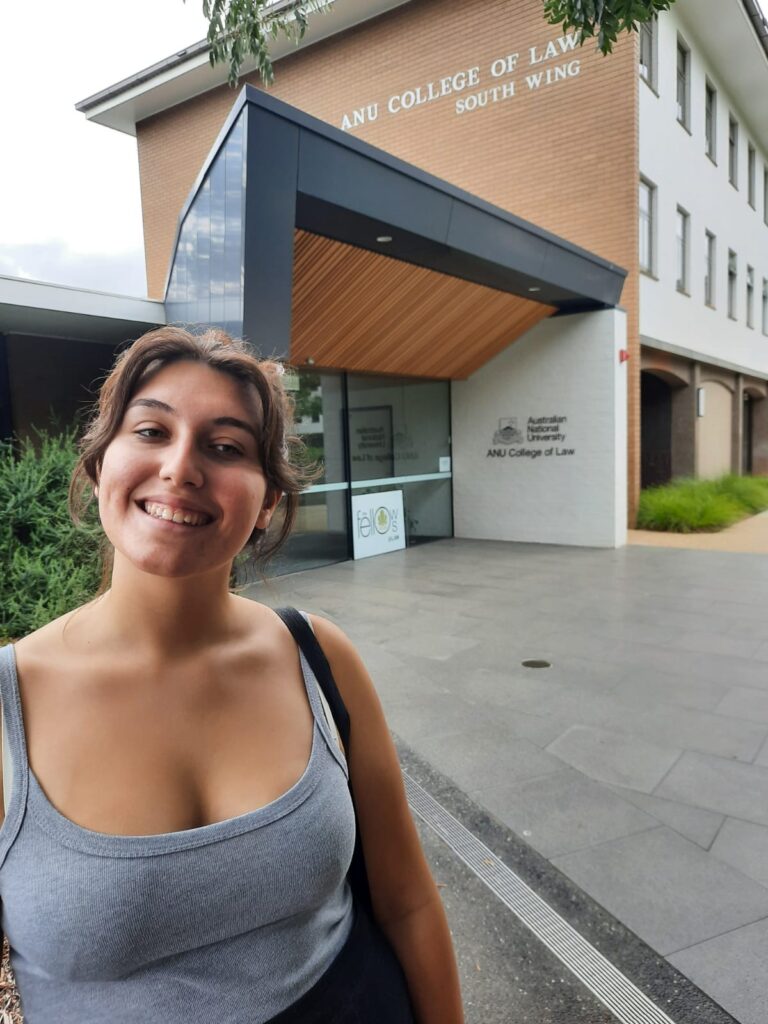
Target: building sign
[(531, 437), (472, 88), (377, 523)]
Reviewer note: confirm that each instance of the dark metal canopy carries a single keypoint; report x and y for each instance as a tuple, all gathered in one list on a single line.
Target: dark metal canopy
[(303, 174)]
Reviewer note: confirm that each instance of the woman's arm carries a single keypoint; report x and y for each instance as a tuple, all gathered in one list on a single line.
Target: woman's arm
[(405, 898)]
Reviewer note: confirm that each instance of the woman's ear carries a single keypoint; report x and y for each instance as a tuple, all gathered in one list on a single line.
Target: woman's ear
[(271, 501)]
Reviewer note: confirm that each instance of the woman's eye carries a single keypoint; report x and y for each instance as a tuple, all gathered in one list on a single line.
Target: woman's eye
[(148, 432), (222, 448)]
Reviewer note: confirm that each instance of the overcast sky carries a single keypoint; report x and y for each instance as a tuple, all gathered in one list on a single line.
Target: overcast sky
[(70, 209)]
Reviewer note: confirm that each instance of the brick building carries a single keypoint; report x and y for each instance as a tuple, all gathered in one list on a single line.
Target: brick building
[(517, 279)]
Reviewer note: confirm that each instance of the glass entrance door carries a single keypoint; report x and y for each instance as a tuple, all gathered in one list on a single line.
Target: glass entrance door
[(399, 440)]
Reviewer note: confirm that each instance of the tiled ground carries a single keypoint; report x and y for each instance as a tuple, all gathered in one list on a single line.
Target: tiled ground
[(638, 763)]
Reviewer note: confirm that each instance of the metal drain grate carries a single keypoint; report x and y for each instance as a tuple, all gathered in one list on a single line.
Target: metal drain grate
[(623, 998)]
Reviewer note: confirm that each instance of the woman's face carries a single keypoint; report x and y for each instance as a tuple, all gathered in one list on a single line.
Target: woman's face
[(181, 487)]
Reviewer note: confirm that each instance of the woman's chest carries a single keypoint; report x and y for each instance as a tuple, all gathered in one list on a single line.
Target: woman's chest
[(126, 752), (83, 906)]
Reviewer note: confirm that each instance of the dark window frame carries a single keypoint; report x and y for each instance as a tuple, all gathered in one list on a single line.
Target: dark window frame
[(710, 269), (710, 120), (733, 151), (683, 83), (683, 247)]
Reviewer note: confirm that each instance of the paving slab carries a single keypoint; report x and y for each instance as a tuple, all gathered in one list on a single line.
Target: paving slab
[(727, 787), (563, 812), (732, 968), (744, 846), (643, 687), (708, 642), (692, 823), (686, 728), (665, 888), (503, 759), (741, 702), (762, 756), (609, 756)]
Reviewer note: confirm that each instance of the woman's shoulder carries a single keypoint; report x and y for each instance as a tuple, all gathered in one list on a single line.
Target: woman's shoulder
[(46, 643)]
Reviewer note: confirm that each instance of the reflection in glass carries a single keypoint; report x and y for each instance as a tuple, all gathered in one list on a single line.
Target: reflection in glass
[(320, 535), (398, 426), (319, 420), (206, 282)]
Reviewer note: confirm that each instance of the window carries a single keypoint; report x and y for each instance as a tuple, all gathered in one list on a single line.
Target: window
[(751, 163), (765, 305), (683, 63), (733, 151), (709, 269), (648, 52), (710, 121), (682, 223), (647, 232), (732, 276), (750, 296)]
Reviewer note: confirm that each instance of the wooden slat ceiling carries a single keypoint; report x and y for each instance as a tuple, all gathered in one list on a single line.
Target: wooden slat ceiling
[(359, 310)]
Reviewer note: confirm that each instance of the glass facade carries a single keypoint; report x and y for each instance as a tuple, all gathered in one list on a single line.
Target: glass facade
[(368, 434), (206, 282)]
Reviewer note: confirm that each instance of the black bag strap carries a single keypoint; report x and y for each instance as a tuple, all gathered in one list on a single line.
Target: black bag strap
[(310, 647)]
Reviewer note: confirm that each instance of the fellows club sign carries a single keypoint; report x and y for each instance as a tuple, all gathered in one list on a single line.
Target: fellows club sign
[(377, 523), (475, 87)]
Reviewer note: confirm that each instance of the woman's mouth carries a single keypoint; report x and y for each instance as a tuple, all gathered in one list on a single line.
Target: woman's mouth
[(181, 516)]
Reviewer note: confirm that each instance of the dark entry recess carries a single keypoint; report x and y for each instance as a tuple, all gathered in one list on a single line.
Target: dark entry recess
[(747, 437), (656, 430), (6, 412)]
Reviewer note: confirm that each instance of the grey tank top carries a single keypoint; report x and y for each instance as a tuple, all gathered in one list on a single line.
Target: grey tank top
[(230, 922)]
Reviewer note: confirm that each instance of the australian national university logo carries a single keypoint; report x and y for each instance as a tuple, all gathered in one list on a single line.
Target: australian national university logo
[(539, 436)]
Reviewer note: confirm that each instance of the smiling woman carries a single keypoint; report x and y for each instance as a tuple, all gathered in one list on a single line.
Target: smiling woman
[(180, 834), (213, 376)]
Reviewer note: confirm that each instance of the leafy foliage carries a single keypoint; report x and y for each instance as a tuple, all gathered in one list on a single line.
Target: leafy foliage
[(701, 506), (605, 19), (49, 565), (238, 29)]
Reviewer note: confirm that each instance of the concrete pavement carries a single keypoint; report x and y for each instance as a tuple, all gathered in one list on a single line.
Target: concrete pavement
[(637, 764)]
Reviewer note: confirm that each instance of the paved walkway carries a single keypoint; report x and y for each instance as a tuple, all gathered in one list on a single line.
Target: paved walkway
[(637, 764), (750, 535)]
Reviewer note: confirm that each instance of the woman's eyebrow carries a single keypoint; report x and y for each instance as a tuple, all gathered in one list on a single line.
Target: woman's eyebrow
[(232, 421), (152, 403), (220, 421)]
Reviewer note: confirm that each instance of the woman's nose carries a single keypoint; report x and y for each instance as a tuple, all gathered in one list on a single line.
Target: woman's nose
[(182, 464)]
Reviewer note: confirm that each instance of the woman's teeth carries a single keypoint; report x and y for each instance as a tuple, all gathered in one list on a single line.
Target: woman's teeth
[(175, 515)]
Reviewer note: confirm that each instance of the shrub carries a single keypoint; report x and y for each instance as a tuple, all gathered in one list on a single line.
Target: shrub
[(698, 506), (49, 564), (749, 491)]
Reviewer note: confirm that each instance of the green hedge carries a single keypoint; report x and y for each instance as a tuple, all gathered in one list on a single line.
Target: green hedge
[(49, 565), (698, 506)]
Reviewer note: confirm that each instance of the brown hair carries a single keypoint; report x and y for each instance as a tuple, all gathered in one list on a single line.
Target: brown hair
[(218, 350)]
